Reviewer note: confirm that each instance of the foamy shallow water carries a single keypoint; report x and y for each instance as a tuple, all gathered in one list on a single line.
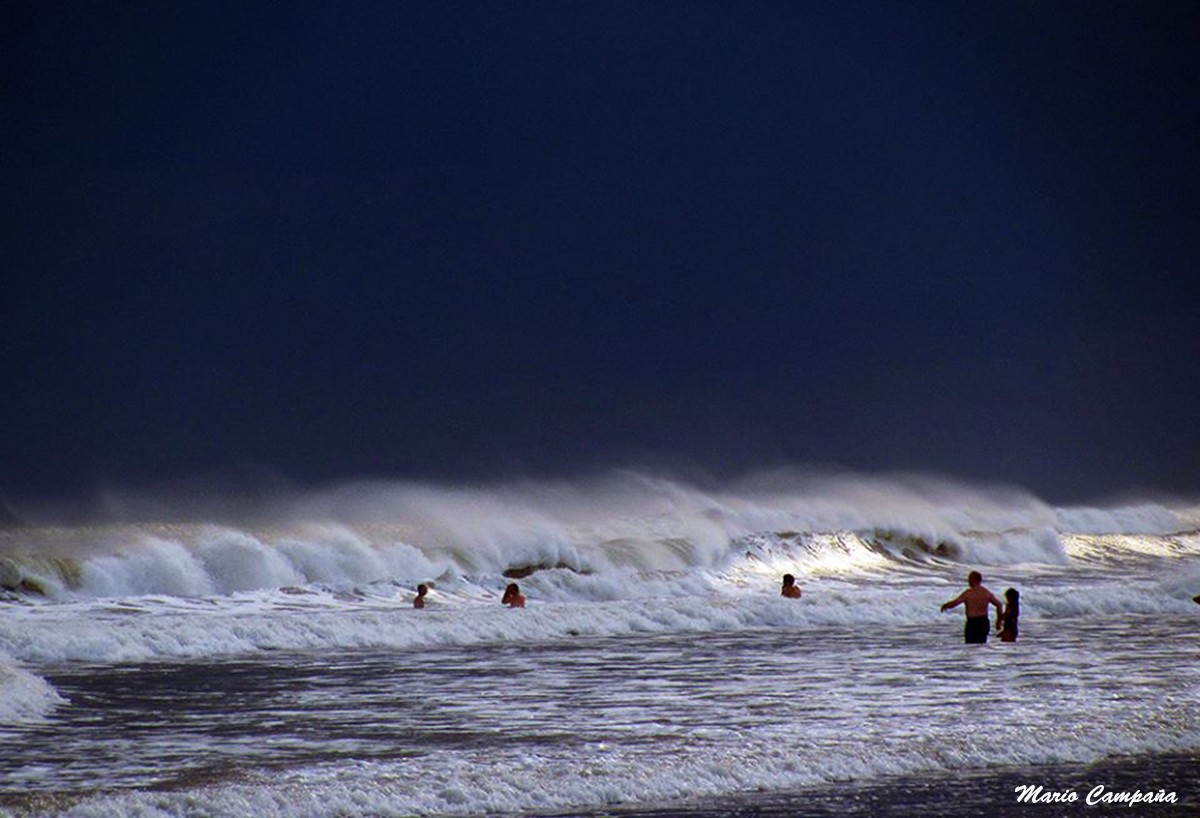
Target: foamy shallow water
[(590, 721)]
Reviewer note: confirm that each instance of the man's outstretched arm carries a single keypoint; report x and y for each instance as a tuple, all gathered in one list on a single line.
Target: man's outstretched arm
[(954, 603)]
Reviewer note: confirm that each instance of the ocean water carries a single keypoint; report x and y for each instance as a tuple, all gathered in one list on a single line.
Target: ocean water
[(274, 666)]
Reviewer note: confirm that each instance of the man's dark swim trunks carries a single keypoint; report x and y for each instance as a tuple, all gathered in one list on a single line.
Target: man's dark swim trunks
[(976, 631)]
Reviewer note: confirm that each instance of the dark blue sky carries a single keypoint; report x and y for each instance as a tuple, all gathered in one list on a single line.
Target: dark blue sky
[(463, 240)]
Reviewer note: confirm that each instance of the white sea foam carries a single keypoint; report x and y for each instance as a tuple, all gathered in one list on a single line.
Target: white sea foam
[(632, 535), (211, 591), (210, 560), (564, 604), (24, 696), (1141, 518), (540, 779), (216, 592)]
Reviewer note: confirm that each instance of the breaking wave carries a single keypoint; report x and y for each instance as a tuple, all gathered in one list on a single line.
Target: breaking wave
[(366, 533), (24, 697)]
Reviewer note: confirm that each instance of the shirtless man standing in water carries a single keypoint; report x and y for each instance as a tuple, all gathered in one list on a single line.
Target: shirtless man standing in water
[(977, 598)]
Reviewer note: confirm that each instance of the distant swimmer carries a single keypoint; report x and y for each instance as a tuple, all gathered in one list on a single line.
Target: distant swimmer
[(790, 589), (1196, 599), (977, 598), (1006, 622), (512, 596), (419, 601)]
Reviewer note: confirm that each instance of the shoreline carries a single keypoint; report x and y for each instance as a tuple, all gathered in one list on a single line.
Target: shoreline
[(953, 794)]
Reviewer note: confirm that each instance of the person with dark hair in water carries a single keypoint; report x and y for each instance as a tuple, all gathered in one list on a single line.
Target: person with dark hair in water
[(1006, 622), (419, 600), (977, 599), (512, 596), (790, 589)]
